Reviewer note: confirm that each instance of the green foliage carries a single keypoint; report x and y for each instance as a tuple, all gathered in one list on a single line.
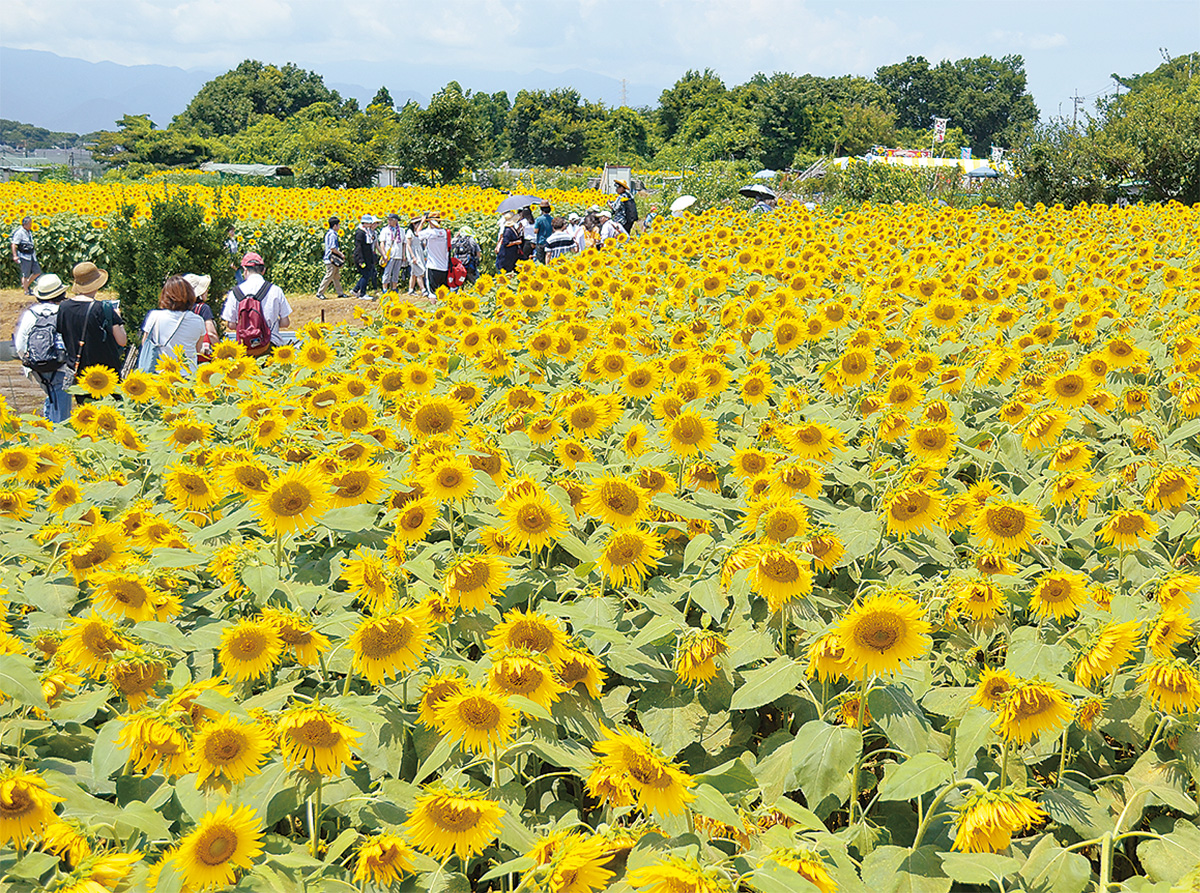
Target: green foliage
[(62, 241), (174, 238), (27, 136), (236, 99), (883, 183), (138, 141), (550, 127), (436, 144)]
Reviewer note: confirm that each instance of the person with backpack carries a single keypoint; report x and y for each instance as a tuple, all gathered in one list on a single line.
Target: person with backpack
[(465, 249), (41, 348), (24, 254), (435, 239), (92, 330), (174, 327), (256, 311), (625, 212)]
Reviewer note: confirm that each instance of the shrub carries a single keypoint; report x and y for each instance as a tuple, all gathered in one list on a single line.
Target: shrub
[(174, 238)]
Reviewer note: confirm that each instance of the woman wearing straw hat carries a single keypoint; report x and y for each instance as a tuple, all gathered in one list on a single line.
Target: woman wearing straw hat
[(93, 331)]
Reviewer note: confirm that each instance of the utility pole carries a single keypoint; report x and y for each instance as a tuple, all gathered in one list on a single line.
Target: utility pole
[(624, 97), (1077, 101)]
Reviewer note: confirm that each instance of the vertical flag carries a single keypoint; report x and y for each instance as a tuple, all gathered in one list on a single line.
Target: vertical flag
[(939, 129), (997, 154), (966, 153)]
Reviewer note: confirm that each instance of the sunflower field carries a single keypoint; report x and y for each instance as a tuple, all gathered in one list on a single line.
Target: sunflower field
[(836, 550)]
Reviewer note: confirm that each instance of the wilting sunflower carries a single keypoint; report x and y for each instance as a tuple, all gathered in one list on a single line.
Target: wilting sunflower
[(534, 520), (390, 645), (26, 806), (979, 599), (527, 674), (581, 668), (827, 659), (1171, 488), (103, 548), (383, 859), (222, 842), (89, 645), (298, 635), (228, 750), (1007, 526), (1126, 528), (131, 597), (369, 580), (453, 821), (781, 576), (97, 381), (689, 434), (250, 648), (292, 501), (657, 784), (1044, 429), (1058, 594), (883, 633), (316, 738), (1172, 685), (1170, 629), (530, 630), (1031, 709), (696, 654), (357, 485), (1111, 647), (156, 742), (629, 556), (616, 501), (988, 820), (993, 689)]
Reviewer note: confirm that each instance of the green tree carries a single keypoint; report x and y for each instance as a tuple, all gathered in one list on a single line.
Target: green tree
[(695, 90), (138, 141), (491, 111), (549, 127), (383, 98), (1153, 135), (438, 142), (174, 238), (1059, 164), (232, 101)]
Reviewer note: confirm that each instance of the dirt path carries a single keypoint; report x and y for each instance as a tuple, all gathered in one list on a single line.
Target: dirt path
[(24, 395)]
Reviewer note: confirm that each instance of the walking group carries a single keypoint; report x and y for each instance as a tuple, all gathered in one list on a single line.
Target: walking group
[(420, 256)]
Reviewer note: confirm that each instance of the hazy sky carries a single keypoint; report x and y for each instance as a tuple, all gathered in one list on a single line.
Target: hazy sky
[(1067, 45)]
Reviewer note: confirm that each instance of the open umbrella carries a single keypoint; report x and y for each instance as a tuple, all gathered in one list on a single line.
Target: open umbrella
[(757, 191), (983, 172), (517, 202), (683, 202), (765, 174)]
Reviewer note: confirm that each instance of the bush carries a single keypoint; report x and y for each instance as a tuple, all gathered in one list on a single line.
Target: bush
[(174, 238), (62, 241)]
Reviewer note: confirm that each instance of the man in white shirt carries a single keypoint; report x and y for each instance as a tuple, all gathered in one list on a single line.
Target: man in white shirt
[(609, 229), (275, 309), (575, 229), (436, 241), (391, 250)]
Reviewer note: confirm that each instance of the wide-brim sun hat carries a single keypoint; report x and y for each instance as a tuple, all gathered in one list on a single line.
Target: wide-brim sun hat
[(48, 287), (198, 283), (87, 278), (621, 183)]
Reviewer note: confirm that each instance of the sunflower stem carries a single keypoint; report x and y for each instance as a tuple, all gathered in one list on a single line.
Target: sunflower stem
[(1004, 765), (862, 707), (495, 767), (1062, 758), (314, 826), (346, 681), (1157, 731), (937, 801), (279, 549), (783, 630)]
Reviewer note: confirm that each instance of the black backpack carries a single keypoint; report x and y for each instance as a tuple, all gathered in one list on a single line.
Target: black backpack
[(46, 353)]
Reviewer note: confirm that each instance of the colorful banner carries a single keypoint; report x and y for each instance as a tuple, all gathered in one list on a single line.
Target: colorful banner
[(939, 129)]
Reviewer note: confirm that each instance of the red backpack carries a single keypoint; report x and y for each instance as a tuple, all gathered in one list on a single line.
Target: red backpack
[(252, 330), (457, 274)]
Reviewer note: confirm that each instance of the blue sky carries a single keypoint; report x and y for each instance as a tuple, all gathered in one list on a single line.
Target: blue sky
[(1067, 45)]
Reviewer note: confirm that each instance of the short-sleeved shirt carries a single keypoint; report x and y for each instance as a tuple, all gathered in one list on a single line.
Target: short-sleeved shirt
[(331, 243), (560, 243), (172, 329), (543, 226), (203, 311), (23, 240), (82, 319), (437, 247), (274, 305)]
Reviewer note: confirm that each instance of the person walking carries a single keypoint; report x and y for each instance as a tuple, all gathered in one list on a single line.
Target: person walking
[(625, 212), (508, 248), (174, 328), (415, 252), (543, 227), (365, 258), (92, 330), (24, 253), (465, 249), (334, 261), (435, 239), (391, 253), (234, 251), (200, 286), (41, 348), (257, 297)]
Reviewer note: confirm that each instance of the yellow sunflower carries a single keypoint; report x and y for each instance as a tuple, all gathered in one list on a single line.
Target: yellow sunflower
[(884, 632)]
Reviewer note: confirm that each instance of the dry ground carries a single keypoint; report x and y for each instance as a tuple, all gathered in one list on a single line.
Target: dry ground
[(24, 395)]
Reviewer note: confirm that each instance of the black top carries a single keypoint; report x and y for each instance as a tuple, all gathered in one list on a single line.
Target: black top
[(203, 311), (364, 251), (90, 322)]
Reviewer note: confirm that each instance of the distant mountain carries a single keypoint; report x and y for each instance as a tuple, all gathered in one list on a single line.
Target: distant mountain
[(76, 96)]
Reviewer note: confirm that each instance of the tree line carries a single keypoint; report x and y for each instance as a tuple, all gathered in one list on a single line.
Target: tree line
[(259, 113)]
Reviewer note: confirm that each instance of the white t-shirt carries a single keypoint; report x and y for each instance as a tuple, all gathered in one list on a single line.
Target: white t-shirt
[(391, 243), (610, 230), (274, 306), (173, 329), (437, 251)]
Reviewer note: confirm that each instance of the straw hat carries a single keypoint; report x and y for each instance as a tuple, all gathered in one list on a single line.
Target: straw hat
[(199, 284), (48, 287), (87, 278)]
